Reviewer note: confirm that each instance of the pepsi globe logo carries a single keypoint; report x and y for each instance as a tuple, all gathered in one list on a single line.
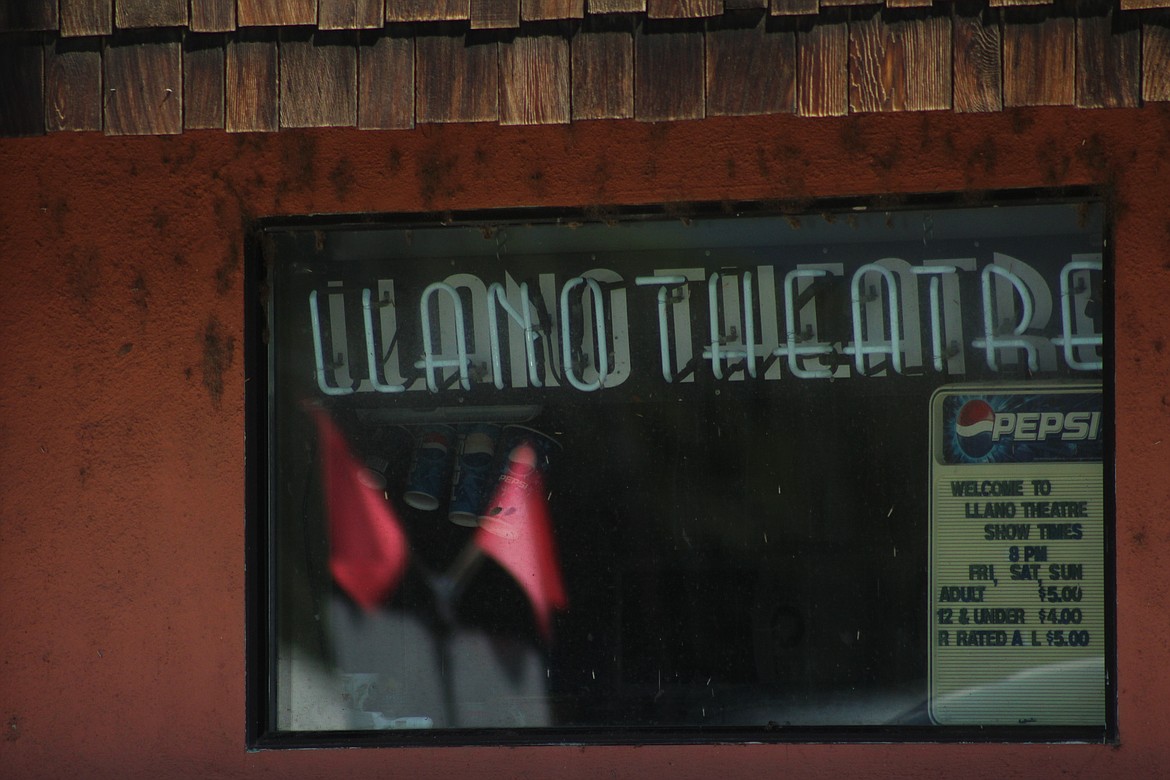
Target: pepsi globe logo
[(974, 426)]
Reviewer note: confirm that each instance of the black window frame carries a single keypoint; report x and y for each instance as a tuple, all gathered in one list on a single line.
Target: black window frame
[(259, 551)]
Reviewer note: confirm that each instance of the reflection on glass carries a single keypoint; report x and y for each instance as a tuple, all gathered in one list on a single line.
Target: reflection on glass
[(668, 474)]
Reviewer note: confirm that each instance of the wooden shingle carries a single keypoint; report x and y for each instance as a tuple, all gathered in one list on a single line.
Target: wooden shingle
[(28, 15), (534, 80), (73, 84), (978, 59), (318, 79), (213, 15), (386, 79), (669, 72), (150, 13), (456, 79), (683, 9), (350, 14), (489, 14), (204, 67), (822, 86), (616, 6), (250, 86), (794, 7), (538, 10), (143, 83), (1039, 59), (427, 10), (750, 70), (275, 13), (1108, 65), (603, 70), (1156, 58), (900, 62), (86, 17)]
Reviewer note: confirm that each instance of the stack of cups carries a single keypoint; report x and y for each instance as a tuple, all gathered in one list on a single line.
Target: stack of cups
[(430, 467), (480, 465), (474, 475)]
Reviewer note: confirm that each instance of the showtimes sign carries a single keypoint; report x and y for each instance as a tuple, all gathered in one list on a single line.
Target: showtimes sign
[(1017, 556)]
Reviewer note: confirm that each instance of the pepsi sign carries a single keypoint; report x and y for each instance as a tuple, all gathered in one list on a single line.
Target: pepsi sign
[(1039, 427)]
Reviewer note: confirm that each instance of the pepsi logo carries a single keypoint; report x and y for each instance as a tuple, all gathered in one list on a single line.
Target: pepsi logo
[(974, 428)]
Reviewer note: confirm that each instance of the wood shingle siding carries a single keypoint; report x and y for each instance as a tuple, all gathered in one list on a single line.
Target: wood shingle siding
[(263, 65)]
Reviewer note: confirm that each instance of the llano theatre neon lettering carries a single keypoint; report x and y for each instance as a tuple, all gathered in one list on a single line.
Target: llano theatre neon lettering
[(576, 333)]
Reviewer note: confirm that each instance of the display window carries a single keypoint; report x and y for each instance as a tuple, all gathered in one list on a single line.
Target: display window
[(696, 474)]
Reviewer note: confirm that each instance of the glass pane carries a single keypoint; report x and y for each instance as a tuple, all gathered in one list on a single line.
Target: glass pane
[(725, 472)]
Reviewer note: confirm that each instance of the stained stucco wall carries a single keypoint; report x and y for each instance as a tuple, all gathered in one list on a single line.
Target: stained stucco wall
[(122, 468)]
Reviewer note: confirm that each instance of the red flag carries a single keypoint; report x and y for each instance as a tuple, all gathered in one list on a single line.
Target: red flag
[(367, 546), (517, 532)]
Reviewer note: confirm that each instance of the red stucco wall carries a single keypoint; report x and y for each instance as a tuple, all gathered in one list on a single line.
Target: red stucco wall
[(122, 430)]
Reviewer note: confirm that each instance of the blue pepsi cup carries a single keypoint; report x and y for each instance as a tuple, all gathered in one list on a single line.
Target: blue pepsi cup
[(475, 474), (430, 467)]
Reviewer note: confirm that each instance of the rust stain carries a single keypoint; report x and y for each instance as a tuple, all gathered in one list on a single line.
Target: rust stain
[(225, 272), (984, 155), (139, 291), (185, 154), (1022, 121), (342, 177), (889, 160), (601, 176), (84, 274), (436, 171), (762, 163), (536, 177), (1053, 163), (297, 164), (1092, 153), (1138, 537), (57, 209), (218, 351), (159, 218), (851, 140)]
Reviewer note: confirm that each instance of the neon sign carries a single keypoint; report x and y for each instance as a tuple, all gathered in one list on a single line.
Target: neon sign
[(765, 322)]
